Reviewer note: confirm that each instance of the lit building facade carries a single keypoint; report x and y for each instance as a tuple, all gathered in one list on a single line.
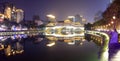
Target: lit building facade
[(8, 10), (51, 19), (1, 17), (12, 13), (19, 15), (77, 20), (7, 13)]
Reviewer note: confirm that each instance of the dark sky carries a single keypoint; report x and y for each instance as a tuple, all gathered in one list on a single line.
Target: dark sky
[(60, 8)]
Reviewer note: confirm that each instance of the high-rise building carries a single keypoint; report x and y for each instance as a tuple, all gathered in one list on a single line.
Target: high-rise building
[(8, 10), (13, 14), (8, 13), (19, 15)]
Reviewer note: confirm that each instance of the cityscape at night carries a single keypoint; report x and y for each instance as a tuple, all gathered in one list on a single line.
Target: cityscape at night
[(59, 30)]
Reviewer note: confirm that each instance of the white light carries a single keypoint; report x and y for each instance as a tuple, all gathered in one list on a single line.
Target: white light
[(114, 17), (118, 31), (71, 43), (68, 35), (71, 16), (51, 16), (105, 56), (51, 44)]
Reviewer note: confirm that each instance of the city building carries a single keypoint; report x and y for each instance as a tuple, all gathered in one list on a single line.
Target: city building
[(72, 18), (68, 22), (7, 10), (8, 51), (12, 13), (77, 20), (38, 22), (19, 48), (60, 23), (1, 17), (51, 19), (19, 15)]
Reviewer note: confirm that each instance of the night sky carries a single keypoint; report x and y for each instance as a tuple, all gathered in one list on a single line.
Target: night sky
[(60, 8)]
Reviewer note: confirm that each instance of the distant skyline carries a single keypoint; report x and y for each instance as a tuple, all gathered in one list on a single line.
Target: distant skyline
[(60, 8)]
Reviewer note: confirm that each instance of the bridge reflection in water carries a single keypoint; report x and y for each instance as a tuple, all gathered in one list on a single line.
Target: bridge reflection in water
[(69, 34)]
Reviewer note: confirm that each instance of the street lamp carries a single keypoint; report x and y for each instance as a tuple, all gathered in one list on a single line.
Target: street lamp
[(114, 21), (114, 17)]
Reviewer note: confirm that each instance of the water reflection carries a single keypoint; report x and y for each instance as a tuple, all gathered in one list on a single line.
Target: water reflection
[(16, 45), (13, 47), (20, 46)]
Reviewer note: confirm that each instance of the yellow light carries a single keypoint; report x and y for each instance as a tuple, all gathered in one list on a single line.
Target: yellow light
[(114, 17), (19, 10), (71, 43), (81, 43), (112, 22), (2, 16), (67, 21), (71, 16), (9, 8)]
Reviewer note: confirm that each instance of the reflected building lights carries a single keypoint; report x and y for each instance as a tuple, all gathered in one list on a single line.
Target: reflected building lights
[(51, 44)]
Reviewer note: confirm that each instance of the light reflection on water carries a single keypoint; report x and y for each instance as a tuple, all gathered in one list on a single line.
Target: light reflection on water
[(74, 47), (116, 56), (71, 51)]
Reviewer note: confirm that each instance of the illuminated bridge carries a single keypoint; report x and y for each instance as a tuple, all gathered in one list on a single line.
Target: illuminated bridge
[(64, 31), (109, 43), (27, 32), (68, 32)]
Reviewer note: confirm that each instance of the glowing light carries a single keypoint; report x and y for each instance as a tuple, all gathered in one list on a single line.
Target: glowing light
[(114, 17), (81, 43), (51, 16), (59, 29), (105, 55), (51, 44), (118, 31), (68, 21), (112, 22), (8, 54), (71, 43), (71, 16)]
